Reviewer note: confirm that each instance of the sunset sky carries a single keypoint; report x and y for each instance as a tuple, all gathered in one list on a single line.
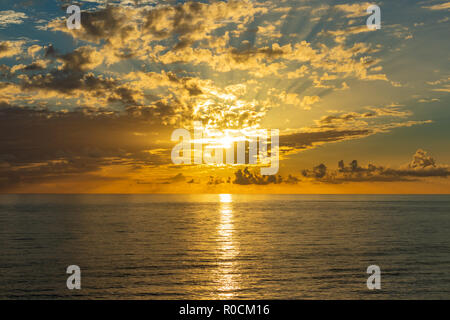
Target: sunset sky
[(93, 110)]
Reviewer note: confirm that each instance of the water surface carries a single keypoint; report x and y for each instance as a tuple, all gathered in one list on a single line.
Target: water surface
[(224, 246)]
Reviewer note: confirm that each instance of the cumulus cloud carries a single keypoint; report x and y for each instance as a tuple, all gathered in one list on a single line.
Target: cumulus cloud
[(246, 177), (135, 72), (421, 166), (11, 17), (188, 33), (215, 180), (421, 160), (191, 33), (81, 59), (184, 23), (10, 48)]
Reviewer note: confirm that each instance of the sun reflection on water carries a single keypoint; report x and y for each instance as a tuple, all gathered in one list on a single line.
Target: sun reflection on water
[(228, 275)]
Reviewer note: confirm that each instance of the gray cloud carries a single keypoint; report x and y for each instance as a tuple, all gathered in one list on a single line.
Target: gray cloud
[(422, 166), (304, 140), (245, 177), (53, 144)]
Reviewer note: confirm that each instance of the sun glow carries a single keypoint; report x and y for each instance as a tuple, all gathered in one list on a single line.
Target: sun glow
[(225, 198), (227, 272), (226, 142)]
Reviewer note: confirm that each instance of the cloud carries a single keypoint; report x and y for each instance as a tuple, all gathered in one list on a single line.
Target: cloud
[(444, 82), (165, 37), (421, 160), (81, 59), (354, 10), (10, 48), (345, 126), (134, 72), (294, 142), (215, 181), (421, 166), (166, 96), (52, 145), (184, 23), (445, 89), (11, 17), (189, 33), (32, 50), (245, 177), (354, 118), (308, 101), (441, 6), (178, 178), (341, 34), (291, 179), (294, 99)]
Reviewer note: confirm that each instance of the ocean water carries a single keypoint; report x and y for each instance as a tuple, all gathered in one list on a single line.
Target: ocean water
[(224, 246)]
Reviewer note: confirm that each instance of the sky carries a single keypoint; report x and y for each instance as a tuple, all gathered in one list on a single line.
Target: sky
[(92, 110)]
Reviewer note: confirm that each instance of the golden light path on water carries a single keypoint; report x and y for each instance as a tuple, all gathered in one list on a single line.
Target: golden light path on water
[(228, 275)]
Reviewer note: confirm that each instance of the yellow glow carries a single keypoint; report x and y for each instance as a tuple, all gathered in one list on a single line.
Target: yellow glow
[(228, 277), (225, 198), (226, 142)]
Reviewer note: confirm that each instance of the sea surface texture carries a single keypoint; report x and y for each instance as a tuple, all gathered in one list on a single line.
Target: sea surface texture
[(224, 246)]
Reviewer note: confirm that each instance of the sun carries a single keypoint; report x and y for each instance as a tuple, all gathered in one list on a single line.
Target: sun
[(225, 198), (226, 142)]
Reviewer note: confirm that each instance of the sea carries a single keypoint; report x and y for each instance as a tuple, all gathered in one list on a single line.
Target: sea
[(225, 246)]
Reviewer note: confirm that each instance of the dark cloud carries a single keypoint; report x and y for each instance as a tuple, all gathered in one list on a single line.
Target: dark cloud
[(178, 178), (347, 117), (215, 181), (113, 22), (46, 171), (4, 47), (318, 172), (421, 160), (181, 23), (190, 21), (187, 83), (10, 48), (35, 66), (245, 177), (67, 82), (53, 144), (291, 179), (50, 51), (243, 55), (73, 79), (103, 24), (80, 59), (4, 73), (304, 140), (422, 166)]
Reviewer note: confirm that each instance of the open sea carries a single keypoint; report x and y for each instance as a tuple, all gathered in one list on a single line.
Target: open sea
[(225, 246)]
